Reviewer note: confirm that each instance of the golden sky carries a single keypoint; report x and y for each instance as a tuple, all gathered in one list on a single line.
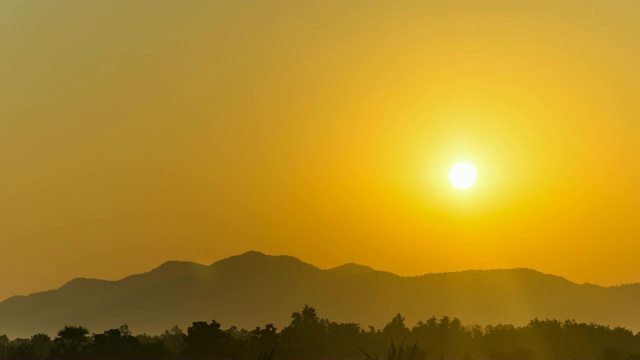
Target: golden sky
[(135, 132)]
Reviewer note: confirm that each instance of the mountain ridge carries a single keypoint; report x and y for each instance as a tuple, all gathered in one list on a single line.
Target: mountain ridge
[(253, 289)]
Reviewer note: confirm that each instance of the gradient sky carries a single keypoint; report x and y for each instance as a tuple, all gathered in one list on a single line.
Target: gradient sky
[(135, 132)]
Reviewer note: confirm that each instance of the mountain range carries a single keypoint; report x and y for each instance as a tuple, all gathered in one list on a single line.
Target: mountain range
[(254, 289)]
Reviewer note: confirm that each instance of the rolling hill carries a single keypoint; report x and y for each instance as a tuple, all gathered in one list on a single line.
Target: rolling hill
[(254, 289)]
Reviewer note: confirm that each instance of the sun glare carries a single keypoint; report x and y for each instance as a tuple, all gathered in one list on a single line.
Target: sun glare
[(463, 175)]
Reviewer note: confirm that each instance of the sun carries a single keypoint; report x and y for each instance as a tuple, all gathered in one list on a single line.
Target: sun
[(463, 175)]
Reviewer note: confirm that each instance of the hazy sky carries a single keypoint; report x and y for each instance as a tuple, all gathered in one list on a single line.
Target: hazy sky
[(135, 132)]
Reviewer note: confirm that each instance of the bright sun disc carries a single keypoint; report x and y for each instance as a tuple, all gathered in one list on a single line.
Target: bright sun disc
[(463, 175)]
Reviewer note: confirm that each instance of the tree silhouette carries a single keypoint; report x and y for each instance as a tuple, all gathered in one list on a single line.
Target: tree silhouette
[(309, 336), (38, 347), (41, 345), (173, 339), (205, 341), (71, 342), (115, 344), (4, 346), (263, 340), (443, 336), (306, 334), (343, 339), (396, 329)]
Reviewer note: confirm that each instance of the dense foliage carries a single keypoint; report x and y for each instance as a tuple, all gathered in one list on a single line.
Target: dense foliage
[(309, 336)]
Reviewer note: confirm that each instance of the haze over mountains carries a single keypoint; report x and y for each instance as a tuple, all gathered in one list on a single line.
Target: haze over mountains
[(254, 289)]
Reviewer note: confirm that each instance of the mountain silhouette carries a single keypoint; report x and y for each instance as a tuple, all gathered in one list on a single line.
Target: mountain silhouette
[(254, 289)]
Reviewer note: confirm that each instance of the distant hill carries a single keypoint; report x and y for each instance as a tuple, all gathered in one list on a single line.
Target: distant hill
[(254, 289)]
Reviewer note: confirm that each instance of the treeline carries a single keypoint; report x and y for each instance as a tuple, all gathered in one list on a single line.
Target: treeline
[(311, 337)]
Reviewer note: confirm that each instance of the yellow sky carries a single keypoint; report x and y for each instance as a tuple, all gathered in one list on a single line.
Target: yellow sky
[(135, 132)]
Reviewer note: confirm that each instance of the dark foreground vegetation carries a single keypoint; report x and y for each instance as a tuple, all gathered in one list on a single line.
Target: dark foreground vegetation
[(311, 337)]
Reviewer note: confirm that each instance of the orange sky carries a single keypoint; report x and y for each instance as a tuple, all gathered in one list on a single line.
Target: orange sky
[(135, 132)]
